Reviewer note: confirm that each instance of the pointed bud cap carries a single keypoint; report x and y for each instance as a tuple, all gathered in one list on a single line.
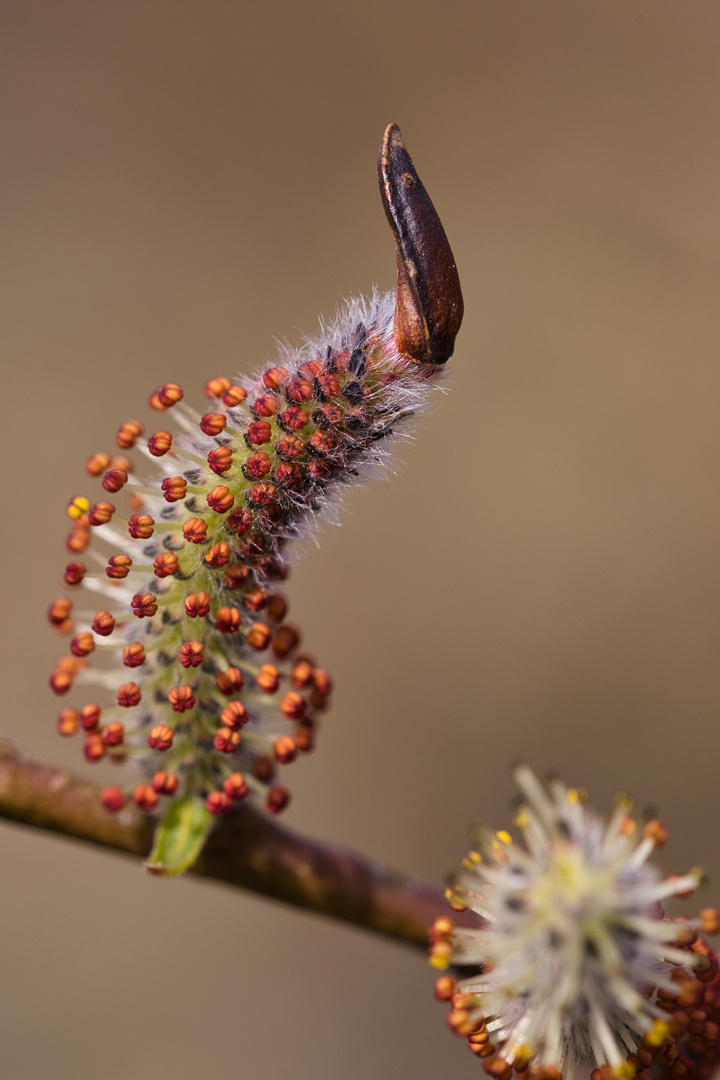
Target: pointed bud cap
[(429, 303)]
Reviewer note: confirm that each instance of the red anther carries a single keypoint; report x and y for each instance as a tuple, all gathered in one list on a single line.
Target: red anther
[(218, 555), (112, 799), (227, 740), (161, 737), (261, 495), (220, 459), (82, 645), (274, 569), (169, 395), (268, 678), (93, 748), (290, 447), (212, 423), (159, 443), (459, 1022), (328, 385), (258, 636), (195, 530), (310, 369), (197, 605), (118, 566), (305, 737), (122, 463), (221, 499), (128, 434), (218, 803), (191, 653), (285, 749), (499, 1068), (135, 501), (235, 787), (327, 417), (182, 699), (68, 722), (103, 624), (319, 471), (257, 466), (289, 477), (165, 783), (275, 377), (265, 405), (293, 705), (256, 598), (299, 390), (236, 576), (133, 654), (322, 682), (710, 1034), (710, 920), (230, 681), (144, 605), (129, 695), (97, 464), (174, 488), (78, 539), (259, 433), (114, 479), (114, 734), (445, 987), (263, 769), (234, 715), (227, 620), (657, 832), (302, 673), (277, 799), (338, 361), (90, 717), (234, 396), (145, 797), (294, 418), (59, 612), (61, 680), (166, 564), (277, 608), (217, 387), (239, 521), (74, 573), (140, 526), (100, 513), (286, 639), (320, 443)]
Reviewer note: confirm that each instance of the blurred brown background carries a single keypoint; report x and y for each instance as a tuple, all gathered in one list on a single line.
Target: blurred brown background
[(181, 182)]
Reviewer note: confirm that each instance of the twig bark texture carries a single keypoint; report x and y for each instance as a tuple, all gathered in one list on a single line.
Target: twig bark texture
[(246, 850)]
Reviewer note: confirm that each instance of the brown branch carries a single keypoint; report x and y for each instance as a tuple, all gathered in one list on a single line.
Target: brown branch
[(246, 849)]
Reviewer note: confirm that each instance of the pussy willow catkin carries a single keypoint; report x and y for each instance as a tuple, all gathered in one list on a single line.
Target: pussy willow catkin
[(200, 679)]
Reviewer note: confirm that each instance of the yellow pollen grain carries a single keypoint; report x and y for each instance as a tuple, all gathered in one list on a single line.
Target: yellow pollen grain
[(78, 507), (658, 1033), (504, 837)]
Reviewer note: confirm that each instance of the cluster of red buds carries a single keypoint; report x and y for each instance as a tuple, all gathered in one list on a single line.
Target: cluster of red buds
[(577, 973), (208, 687)]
